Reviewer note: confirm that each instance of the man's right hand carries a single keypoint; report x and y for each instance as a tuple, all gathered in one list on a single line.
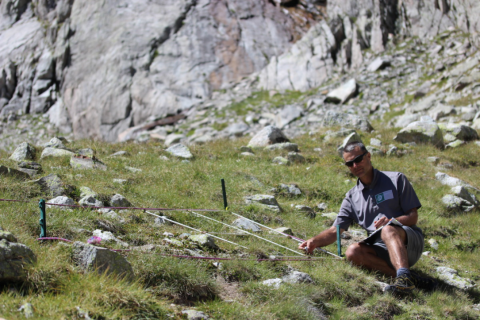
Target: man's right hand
[(308, 246)]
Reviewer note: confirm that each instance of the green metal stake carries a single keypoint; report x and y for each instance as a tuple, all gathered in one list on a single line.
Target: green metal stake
[(339, 243), (224, 191), (43, 220)]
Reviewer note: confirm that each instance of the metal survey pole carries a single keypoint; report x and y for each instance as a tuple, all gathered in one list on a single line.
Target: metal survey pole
[(43, 219), (224, 192)]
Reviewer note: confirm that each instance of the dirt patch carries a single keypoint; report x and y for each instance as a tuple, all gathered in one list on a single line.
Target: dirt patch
[(228, 291)]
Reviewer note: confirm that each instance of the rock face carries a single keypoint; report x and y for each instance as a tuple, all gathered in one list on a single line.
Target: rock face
[(13, 257), (102, 260)]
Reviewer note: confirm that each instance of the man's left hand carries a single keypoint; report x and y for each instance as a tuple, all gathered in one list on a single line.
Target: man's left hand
[(381, 222)]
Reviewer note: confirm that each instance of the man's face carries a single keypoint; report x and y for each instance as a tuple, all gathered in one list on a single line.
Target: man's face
[(363, 167)]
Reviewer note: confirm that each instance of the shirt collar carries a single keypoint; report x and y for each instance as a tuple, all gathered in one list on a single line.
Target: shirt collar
[(361, 186)]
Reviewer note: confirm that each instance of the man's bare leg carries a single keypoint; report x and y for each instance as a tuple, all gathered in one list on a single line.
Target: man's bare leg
[(365, 256), (395, 239)]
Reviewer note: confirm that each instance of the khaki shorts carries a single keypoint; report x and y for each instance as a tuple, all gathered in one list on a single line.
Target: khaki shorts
[(415, 245)]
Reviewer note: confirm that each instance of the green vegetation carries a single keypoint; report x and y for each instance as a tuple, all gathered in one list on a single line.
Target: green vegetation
[(166, 285)]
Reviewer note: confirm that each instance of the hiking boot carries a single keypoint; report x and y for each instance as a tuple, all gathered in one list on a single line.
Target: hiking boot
[(404, 284), (425, 283)]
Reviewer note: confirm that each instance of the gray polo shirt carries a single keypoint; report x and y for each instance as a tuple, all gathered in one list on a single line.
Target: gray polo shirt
[(389, 195)]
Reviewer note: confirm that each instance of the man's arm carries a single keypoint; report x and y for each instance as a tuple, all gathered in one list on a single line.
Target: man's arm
[(325, 238), (409, 219)]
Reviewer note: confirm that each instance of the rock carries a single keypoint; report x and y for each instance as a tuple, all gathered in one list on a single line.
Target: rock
[(454, 203), (275, 283), (353, 137), (451, 277), (463, 193), (107, 236), (237, 129), (295, 157), (132, 169), (9, 172), (462, 132), (423, 90), (246, 149), (433, 244), (118, 200), (392, 151), (90, 201), (247, 154), (322, 206), (343, 93), (297, 277), (333, 118), (119, 154), (287, 115), (266, 200), (86, 192), (159, 221), (56, 142), (180, 151), (375, 151), (454, 144), (27, 310), (61, 200), (404, 120), (173, 139), (441, 111), (339, 134), (291, 189), (13, 257), (120, 181), (433, 160), (84, 163), (283, 230), (287, 146), (173, 242), (306, 209), (447, 180), (195, 315), (204, 240), (24, 151), (330, 215), (379, 64), (267, 136), (102, 260), (281, 161), (246, 224), (421, 132), (52, 185), (54, 152), (375, 142)]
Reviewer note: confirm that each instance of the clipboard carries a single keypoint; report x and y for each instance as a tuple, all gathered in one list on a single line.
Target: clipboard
[(373, 236)]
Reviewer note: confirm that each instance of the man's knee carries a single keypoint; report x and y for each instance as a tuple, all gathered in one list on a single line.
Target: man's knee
[(390, 232), (355, 252)]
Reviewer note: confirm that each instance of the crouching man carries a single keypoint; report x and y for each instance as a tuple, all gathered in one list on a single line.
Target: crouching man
[(378, 197)]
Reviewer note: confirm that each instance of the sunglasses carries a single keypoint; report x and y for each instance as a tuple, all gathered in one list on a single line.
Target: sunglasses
[(357, 159)]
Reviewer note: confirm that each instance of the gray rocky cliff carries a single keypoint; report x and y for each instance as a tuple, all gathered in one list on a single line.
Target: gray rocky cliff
[(98, 68)]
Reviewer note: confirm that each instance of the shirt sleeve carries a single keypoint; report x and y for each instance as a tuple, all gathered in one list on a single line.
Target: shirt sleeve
[(407, 197), (344, 217)]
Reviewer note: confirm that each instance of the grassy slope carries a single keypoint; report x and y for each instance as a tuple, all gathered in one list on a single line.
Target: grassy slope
[(56, 286)]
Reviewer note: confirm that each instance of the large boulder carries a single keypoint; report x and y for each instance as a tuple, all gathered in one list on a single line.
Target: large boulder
[(267, 136), (13, 257), (345, 120), (462, 132), (180, 151), (53, 185), (421, 132), (343, 93), (102, 260), (24, 151), (9, 172)]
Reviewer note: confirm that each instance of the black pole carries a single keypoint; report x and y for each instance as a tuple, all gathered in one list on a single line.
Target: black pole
[(224, 191), (43, 219)]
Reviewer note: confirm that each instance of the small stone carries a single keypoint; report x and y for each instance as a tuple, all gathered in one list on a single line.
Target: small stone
[(297, 277), (24, 151), (87, 152), (120, 181), (281, 161), (247, 154), (287, 146), (62, 200), (433, 244), (322, 206), (283, 230), (451, 277), (119, 154), (375, 142), (90, 201), (132, 169), (246, 149), (180, 151), (118, 200), (295, 157), (275, 283), (247, 225), (204, 240), (27, 310), (306, 209), (433, 160), (291, 189), (267, 136), (195, 315), (392, 151), (168, 234)]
